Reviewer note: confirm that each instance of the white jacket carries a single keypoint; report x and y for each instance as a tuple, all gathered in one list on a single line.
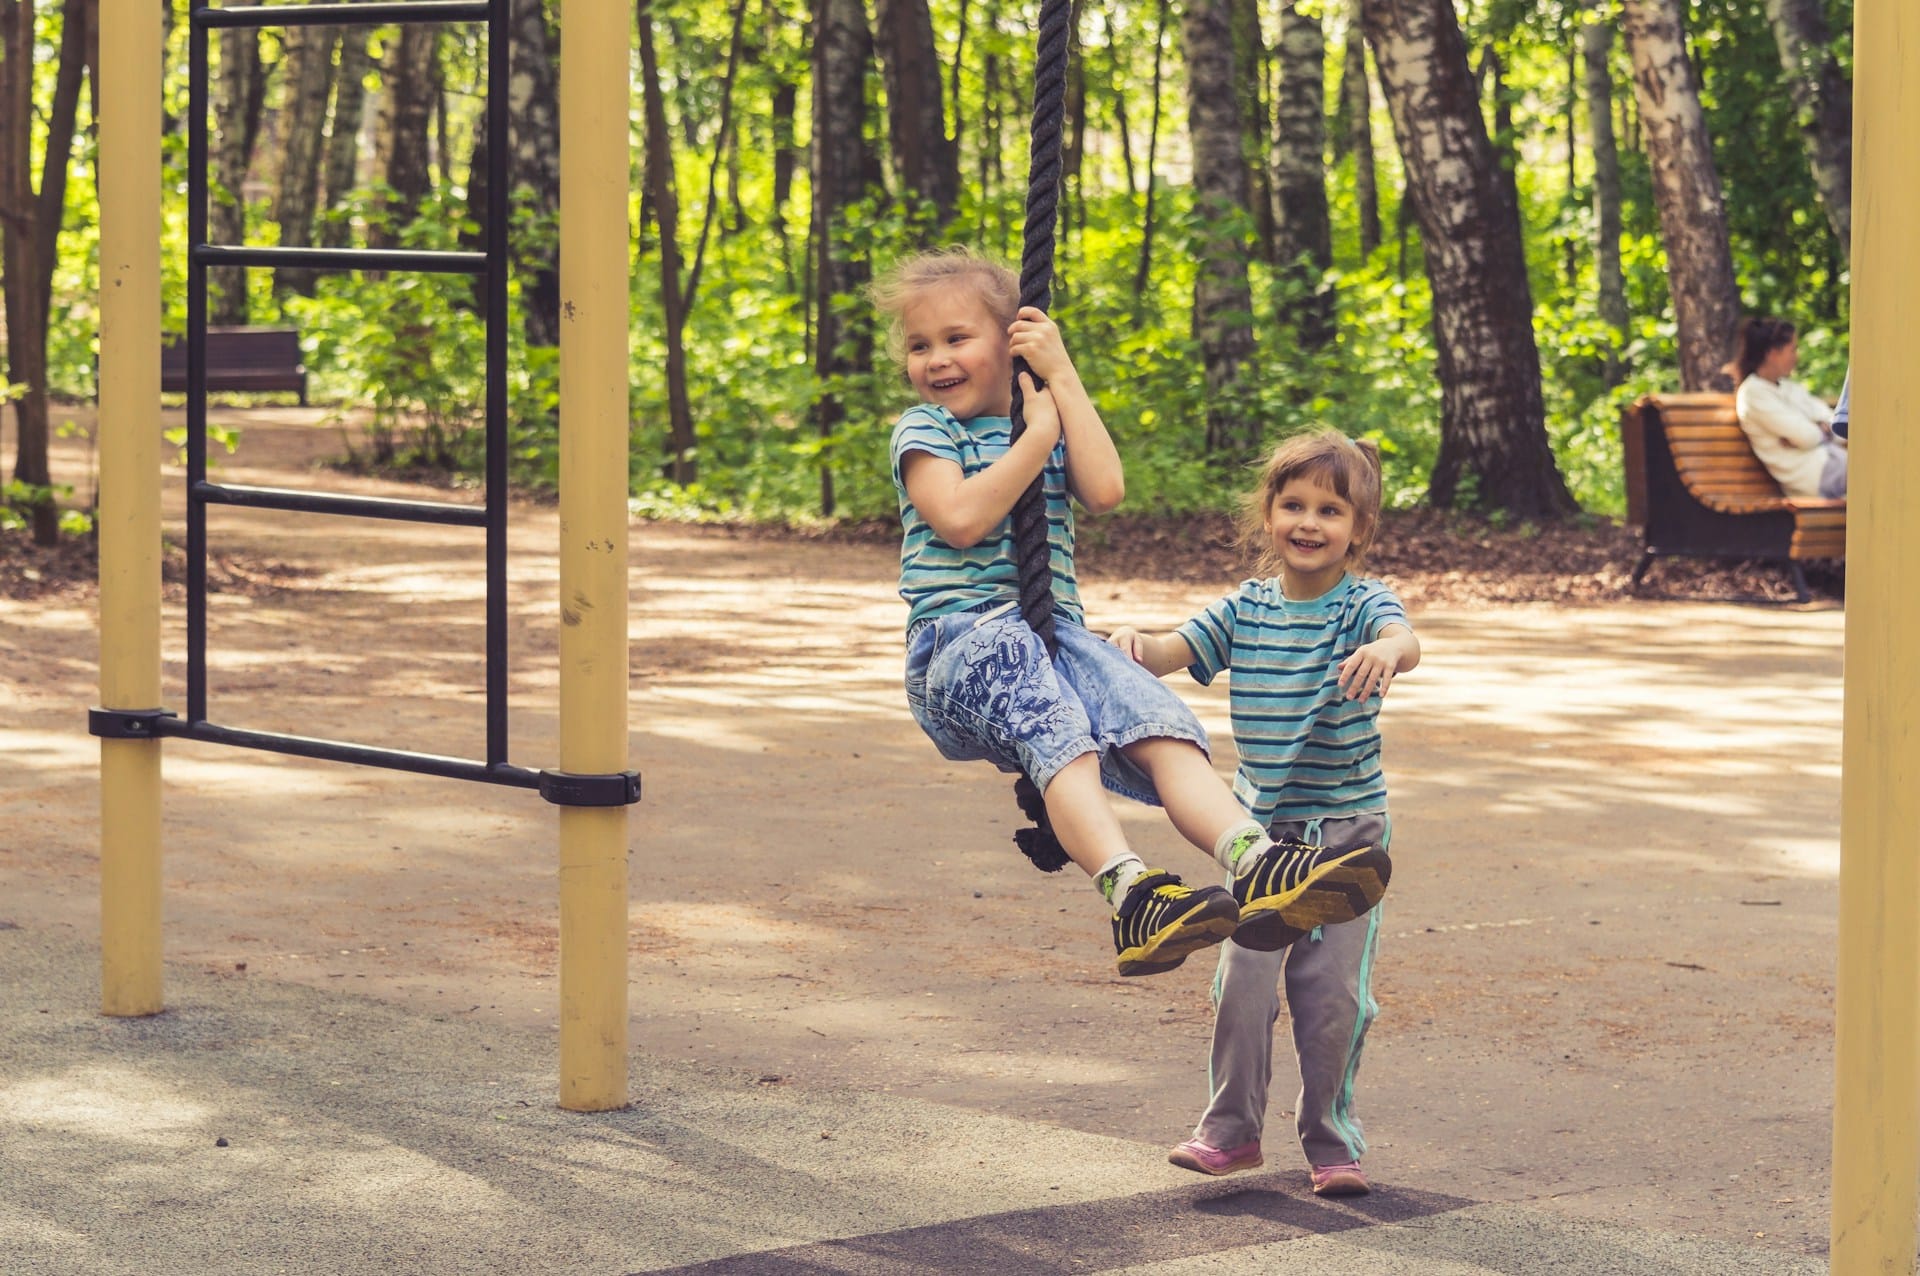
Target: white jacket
[(1783, 421)]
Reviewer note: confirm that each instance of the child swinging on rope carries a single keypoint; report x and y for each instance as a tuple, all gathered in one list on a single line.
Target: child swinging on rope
[(979, 680)]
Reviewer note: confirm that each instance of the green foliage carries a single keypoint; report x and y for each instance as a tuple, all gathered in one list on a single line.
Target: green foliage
[(403, 355), (18, 501)]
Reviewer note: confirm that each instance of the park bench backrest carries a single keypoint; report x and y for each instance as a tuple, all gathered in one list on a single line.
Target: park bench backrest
[(240, 359), (1701, 438)]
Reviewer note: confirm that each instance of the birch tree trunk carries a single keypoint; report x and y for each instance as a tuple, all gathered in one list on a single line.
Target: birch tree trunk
[(1824, 101), (404, 158), (1686, 187), (1356, 109), (1493, 439), (309, 79), (1223, 296), (842, 52), (30, 229), (343, 135), (1302, 231), (533, 133), (1596, 45), (239, 88), (925, 160)]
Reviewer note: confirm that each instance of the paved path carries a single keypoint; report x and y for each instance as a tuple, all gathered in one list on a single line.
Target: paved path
[(261, 1128), (1606, 977)]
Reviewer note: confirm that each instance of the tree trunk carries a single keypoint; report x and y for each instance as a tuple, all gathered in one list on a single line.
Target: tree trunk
[(404, 158), (1073, 141), (682, 466), (1256, 124), (237, 117), (308, 81), (1223, 296), (1117, 94), (1686, 187), (1493, 439), (343, 136), (30, 229), (1303, 234), (786, 100), (842, 52), (925, 161), (1824, 101), (1596, 42), (533, 129), (1493, 70), (1144, 270), (1356, 106), (722, 147)]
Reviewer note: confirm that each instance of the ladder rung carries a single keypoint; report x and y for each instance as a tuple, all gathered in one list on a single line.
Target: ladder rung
[(319, 15), (299, 502), (360, 754), (450, 263)]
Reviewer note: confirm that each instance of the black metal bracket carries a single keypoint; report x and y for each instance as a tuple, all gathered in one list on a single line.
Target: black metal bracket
[(126, 724), (621, 788)]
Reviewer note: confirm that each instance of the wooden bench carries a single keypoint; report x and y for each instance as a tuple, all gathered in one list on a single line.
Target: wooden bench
[(1696, 488), (240, 359)]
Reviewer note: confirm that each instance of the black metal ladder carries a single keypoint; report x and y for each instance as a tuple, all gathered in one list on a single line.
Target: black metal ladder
[(492, 266)]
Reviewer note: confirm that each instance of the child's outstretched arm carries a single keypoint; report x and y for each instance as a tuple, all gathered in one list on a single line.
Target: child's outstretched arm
[(1160, 654), (1372, 668), (1094, 473), (961, 510)]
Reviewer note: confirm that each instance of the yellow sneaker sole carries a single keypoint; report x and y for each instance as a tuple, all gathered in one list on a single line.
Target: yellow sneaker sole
[(1167, 948), (1338, 891)]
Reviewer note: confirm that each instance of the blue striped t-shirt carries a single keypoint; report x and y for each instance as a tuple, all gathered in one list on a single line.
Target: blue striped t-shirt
[(1306, 751), (935, 577)]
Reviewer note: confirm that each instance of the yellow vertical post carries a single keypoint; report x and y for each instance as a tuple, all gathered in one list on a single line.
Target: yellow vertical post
[(593, 546), (1876, 1118), (129, 516)]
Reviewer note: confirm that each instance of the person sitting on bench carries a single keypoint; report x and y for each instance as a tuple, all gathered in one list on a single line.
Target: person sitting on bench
[(1789, 426)]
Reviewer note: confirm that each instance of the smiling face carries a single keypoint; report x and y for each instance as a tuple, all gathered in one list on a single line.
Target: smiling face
[(1311, 527), (957, 353)]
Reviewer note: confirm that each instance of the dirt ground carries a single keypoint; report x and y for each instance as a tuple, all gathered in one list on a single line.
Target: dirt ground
[(1606, 977)]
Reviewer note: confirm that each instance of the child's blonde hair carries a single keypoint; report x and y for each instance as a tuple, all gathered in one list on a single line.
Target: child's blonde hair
[(996, 287), (1351, 468)]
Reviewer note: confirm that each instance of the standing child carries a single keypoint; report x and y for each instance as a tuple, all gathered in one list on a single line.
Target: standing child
[(1312, 652), (981, 684)]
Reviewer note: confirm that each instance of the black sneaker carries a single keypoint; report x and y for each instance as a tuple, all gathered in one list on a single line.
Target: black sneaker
[(1162, 920), (1291, 887)]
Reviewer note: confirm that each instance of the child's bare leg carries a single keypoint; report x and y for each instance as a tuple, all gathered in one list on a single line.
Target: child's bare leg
[(1198, 802), (1082, 817)]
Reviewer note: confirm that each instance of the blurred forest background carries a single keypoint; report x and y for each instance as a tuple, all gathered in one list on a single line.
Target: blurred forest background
[(1471, 230)]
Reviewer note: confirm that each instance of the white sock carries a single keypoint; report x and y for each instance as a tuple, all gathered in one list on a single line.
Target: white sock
[(1236, 842), (1117, 876)]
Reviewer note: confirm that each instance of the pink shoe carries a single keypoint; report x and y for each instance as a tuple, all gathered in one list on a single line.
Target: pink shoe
[(1340, 1180), (1204, 1158)]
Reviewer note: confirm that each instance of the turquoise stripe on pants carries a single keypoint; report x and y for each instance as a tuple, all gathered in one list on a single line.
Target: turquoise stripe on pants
[(1328, 985)]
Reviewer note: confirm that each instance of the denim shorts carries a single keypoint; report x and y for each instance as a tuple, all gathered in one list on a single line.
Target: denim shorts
[(980, 685)]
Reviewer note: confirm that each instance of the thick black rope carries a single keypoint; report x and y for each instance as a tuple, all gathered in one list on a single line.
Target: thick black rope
[(1032, 546)]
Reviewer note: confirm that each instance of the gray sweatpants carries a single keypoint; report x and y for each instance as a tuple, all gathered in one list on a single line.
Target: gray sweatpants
[(1329, 989)]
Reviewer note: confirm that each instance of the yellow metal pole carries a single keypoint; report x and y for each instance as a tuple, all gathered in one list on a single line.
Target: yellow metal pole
[(129, 516), (594, 43), (1876, 1118)]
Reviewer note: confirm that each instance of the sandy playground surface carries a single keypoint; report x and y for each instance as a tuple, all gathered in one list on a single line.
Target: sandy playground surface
[(1606, 973)]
